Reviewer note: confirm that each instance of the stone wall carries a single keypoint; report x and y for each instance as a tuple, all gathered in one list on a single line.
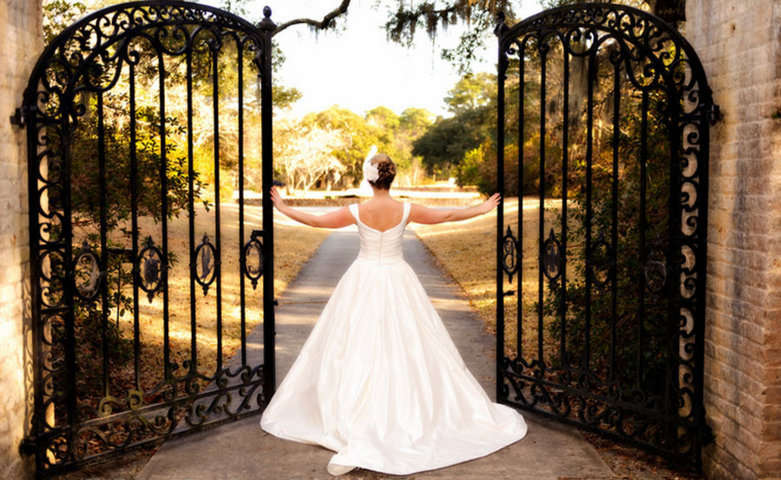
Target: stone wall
[(20, 44), (739, 43)]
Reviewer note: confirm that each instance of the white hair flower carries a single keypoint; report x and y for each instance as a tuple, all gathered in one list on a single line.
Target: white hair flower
[(370, 172)]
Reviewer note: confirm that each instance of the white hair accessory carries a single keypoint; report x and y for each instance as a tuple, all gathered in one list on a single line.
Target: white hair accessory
[(370, 172)]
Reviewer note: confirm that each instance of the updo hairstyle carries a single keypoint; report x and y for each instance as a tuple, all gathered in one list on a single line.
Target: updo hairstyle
[(386, 169)]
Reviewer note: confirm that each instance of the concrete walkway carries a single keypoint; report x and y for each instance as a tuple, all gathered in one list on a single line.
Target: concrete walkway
[(242, 450)]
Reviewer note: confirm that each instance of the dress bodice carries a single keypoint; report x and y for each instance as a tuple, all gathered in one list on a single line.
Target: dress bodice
[(381, 246)]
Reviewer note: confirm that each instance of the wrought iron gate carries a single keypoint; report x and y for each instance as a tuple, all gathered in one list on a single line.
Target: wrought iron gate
[(143, 299), (603, 124)]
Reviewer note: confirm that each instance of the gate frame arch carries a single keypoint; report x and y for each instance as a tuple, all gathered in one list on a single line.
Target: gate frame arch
[(595, 18), (123, 22)]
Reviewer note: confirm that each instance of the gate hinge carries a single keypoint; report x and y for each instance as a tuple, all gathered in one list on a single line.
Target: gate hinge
[(708, 436), (20, 115), (27, 446), (715, 114)]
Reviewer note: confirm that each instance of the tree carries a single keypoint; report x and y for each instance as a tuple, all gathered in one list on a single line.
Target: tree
[(471, 91), (415, 120), (406, 18), (413, 123), (358, 136), (61, 13), (384, 118), (308, 156), (444, 145), (478, 18), (393, 134), (57, 14)]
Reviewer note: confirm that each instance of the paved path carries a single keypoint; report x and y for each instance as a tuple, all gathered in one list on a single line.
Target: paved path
[(242, 450)]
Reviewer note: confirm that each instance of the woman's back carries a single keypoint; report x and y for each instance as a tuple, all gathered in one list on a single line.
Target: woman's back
[(382, 244), (381, 214)]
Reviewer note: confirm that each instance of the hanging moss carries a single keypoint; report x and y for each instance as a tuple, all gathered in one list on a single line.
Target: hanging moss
[(438, 15)]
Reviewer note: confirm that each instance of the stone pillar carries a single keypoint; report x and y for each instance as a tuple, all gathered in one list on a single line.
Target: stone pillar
[(20, 44), (739, 43)]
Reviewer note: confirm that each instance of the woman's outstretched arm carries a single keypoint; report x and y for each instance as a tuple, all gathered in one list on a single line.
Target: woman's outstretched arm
[(337, 219), (423, 214)]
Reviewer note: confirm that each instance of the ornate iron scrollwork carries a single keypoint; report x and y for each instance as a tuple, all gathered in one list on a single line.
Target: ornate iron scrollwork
[(551, 257), (253, 257), (630, 309), (149, 268), (205, 263), (87, 273), (80, 79), (511, 259)]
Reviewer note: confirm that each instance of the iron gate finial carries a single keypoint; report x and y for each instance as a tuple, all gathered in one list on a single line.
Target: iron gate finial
[(501, 26), (267, 23)]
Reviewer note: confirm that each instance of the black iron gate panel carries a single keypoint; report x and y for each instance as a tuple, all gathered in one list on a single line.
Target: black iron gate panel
[(603, 125), (148, 277)]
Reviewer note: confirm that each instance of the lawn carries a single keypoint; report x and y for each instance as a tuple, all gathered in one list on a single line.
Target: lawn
[(466, 250), (294, 244)]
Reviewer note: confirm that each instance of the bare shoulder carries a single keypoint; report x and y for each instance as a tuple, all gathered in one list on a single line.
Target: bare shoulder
[(422, 214), (348, 209), (341, 217)]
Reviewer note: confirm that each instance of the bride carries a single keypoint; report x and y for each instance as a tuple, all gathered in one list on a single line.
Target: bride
[(379, 379)]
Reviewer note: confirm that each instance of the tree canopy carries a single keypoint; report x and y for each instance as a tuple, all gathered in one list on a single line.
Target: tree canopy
[(392, 133), (406, 18)]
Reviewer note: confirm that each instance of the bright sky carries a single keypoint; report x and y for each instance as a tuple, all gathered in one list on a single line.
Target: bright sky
[(357, 67)]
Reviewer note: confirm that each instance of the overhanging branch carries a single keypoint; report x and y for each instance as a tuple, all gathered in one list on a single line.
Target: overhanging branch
[(322, 24)]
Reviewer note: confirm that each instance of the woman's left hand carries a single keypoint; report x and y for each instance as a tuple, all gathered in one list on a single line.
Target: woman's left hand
[(276, 197), (491, 203)]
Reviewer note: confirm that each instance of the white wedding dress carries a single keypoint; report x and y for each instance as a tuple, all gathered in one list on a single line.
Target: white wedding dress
[(380, 381)]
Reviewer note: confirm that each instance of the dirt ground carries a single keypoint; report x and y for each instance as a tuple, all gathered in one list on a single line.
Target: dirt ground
[(455, 254)]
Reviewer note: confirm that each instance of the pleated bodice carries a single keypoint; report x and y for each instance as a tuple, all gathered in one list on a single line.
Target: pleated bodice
[(382, 247)]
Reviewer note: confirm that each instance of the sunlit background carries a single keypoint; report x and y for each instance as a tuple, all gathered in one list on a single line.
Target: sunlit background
[(356, 67)]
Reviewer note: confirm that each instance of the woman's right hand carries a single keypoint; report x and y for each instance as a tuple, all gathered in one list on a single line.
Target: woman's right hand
[(276, 198), (491, 203)]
